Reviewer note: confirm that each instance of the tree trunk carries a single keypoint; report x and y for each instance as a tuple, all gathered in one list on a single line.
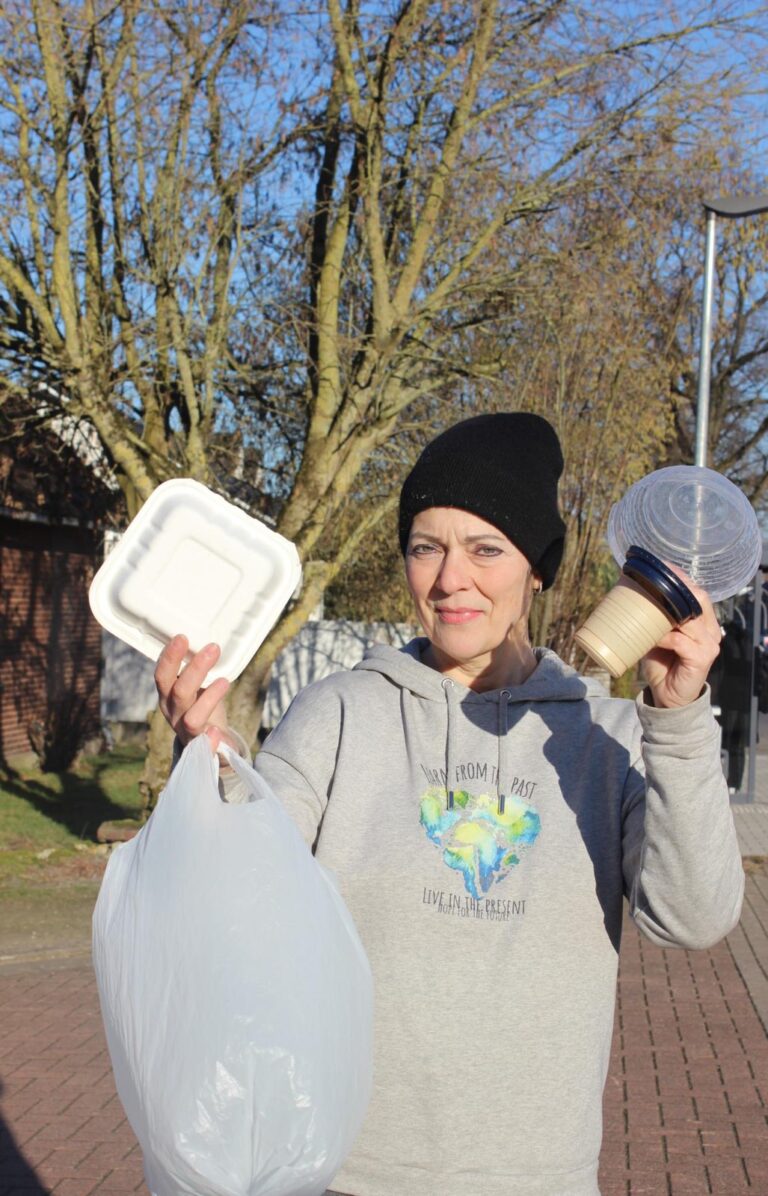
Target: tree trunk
[(157, 766), (245, 701)]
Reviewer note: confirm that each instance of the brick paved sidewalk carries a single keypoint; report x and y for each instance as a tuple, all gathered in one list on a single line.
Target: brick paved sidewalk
[(686, 1102), (62, 1127), (685, 1106)]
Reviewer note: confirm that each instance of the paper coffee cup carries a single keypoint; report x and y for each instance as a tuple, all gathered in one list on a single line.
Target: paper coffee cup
[(623, 627), (648, 600)]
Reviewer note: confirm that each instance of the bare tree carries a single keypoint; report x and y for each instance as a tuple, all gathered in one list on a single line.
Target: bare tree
[(441, 138), (128, 175), (237, 238), (601, 336)]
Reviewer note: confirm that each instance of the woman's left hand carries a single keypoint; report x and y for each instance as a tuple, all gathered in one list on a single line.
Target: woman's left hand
[(676, 670)]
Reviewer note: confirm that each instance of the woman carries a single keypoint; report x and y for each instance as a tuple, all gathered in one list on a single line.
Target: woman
[(485, 810)]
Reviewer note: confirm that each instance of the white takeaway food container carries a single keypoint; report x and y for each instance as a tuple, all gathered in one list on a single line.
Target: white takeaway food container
[(192, 563)]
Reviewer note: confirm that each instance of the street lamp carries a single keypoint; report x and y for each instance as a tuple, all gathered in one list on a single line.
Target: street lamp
[(732, 208)]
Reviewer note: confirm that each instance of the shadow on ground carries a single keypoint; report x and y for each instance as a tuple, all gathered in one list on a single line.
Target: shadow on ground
[(16, 1175), (83, 803)]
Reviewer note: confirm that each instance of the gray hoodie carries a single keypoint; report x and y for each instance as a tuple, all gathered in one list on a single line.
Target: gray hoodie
[(484, 843)]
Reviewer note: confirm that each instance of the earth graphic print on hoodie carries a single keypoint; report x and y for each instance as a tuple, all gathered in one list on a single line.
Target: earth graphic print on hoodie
[(476, 839)]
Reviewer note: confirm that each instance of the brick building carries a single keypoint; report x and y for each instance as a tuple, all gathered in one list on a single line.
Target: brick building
[(53, 505)]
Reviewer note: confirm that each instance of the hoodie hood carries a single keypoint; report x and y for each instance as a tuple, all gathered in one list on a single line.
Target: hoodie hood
[(551, 680), (495, 710)]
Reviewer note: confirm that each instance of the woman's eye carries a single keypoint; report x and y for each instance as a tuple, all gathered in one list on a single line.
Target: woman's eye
[(422, 549), (488, 550)]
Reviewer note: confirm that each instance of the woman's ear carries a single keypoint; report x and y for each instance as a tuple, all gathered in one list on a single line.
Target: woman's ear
[(538, 584)]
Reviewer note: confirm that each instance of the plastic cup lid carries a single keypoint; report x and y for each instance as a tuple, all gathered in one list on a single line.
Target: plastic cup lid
[(694, 518)]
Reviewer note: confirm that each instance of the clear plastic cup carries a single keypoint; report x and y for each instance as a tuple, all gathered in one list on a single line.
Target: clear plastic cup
[(694, 518)]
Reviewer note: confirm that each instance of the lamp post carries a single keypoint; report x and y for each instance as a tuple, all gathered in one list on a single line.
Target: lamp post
[(732, 208)]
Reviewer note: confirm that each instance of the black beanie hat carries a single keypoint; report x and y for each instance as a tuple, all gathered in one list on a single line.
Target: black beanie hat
[(502, 467)]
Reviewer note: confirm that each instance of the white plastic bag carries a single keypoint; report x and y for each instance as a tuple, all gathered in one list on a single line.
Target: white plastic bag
[(235, 993)]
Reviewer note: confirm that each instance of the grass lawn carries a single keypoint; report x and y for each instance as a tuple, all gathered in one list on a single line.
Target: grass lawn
[(48, 821)]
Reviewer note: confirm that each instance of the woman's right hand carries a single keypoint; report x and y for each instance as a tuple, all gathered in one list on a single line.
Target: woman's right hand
[(185, 703)]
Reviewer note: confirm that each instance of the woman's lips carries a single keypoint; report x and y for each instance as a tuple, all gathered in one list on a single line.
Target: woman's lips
[(461, 615)]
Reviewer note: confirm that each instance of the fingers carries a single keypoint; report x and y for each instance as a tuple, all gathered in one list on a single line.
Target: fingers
[(215, 736), (676, 670), (708, 611), (206, 709), (192, 676), (183, 684), (698, 640), (706, 623), (705, 630), (168, 665), (187, 706)]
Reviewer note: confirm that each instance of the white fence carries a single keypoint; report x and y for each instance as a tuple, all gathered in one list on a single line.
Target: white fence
[(322, 646)]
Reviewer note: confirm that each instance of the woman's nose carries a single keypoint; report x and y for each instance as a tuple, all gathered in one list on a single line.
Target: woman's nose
[(454, 573)]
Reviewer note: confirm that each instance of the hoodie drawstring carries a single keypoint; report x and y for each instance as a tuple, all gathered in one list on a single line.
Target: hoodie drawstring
[(504, 699), (449, 689), (451, 697)]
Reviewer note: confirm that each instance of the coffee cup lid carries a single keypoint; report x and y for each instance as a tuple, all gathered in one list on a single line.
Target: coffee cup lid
[(662, 583)]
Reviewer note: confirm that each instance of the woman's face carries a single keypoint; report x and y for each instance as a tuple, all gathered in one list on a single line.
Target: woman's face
[(470, 584)]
